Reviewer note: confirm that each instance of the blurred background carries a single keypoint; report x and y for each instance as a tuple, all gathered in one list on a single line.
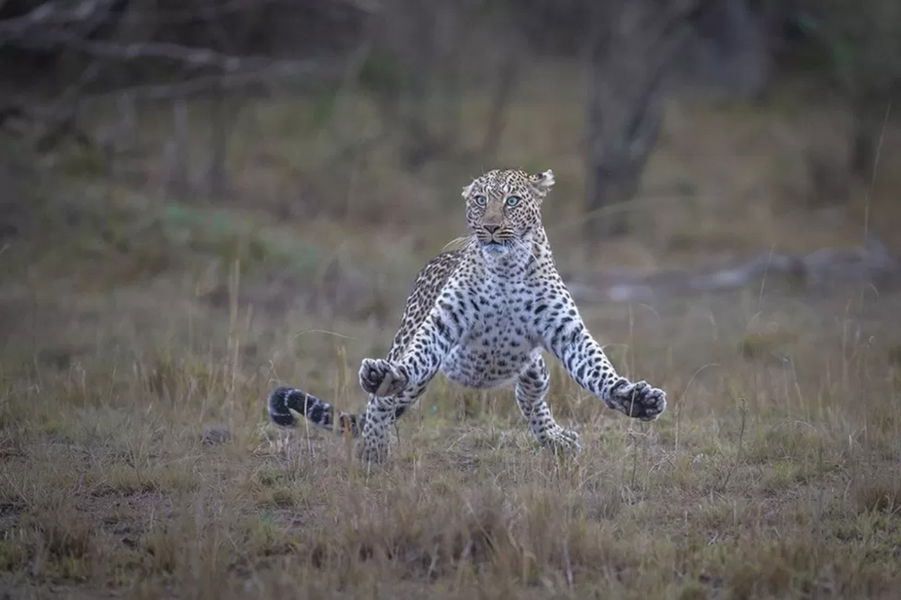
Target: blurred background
[(202, 199), (303, 158)]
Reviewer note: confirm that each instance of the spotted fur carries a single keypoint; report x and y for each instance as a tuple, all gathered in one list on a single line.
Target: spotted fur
[(483, 315)]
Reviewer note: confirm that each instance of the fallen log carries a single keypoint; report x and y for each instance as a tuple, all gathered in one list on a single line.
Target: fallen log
[(871, 265)]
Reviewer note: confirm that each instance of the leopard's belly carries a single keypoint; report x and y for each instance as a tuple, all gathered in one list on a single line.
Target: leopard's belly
[(500, 341), (477, 367), (491, 355)]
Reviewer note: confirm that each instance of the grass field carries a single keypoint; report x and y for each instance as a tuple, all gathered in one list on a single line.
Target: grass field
[(142, 334)]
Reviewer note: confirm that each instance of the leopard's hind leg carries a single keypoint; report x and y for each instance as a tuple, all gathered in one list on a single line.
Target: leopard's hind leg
[(381, 414), (531, 393)]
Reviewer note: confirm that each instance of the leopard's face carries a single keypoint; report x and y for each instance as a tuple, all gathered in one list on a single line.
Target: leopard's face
[(503, 208)]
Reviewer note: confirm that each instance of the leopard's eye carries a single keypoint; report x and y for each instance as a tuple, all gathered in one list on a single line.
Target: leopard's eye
[(479, 200), (512, 201)]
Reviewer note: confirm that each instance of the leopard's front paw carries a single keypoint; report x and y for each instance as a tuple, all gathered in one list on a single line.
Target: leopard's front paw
[(380, 377), (639, 399), (563, 441)]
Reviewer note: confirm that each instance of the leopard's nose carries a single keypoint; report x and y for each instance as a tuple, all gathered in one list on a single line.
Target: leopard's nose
[(492, 229)]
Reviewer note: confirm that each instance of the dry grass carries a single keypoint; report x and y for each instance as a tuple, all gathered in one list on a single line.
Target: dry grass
[(148, 329), (770, 475)]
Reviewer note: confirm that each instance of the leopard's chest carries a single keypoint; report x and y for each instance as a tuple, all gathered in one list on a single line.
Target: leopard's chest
[(498, 342)]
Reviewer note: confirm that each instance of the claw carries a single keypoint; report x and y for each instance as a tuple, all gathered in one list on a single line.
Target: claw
[(381, 378), (639, 399), (563, 440)]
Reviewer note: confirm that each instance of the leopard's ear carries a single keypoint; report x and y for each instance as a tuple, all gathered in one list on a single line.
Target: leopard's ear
[(467, 189), (542, 183)]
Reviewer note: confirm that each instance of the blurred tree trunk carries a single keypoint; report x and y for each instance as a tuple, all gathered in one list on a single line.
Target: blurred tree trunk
[(731, 49), (222, 120), (505, 83), (176, 176), (632, 48), (870, 116), (862, 41), (418, 68)]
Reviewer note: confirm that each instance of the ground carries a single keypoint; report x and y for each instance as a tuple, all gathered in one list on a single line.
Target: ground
[(142, 334)]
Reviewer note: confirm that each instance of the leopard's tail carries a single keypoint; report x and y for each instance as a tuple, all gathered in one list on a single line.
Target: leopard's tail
[(285, 401)]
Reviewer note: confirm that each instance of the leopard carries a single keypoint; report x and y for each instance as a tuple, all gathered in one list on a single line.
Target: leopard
[(484, 314)]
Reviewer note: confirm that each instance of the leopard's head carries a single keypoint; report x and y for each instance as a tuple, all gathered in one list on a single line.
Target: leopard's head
[(503, 208)]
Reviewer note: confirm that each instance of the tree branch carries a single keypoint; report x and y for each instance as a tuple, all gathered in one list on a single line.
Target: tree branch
[(275, 71), (52, 13)]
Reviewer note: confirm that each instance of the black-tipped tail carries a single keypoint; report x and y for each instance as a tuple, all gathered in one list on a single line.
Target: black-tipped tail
[(284, 400), (279, 402)]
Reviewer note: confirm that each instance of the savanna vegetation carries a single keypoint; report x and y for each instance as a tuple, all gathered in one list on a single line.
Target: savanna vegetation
[(172, 247)]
